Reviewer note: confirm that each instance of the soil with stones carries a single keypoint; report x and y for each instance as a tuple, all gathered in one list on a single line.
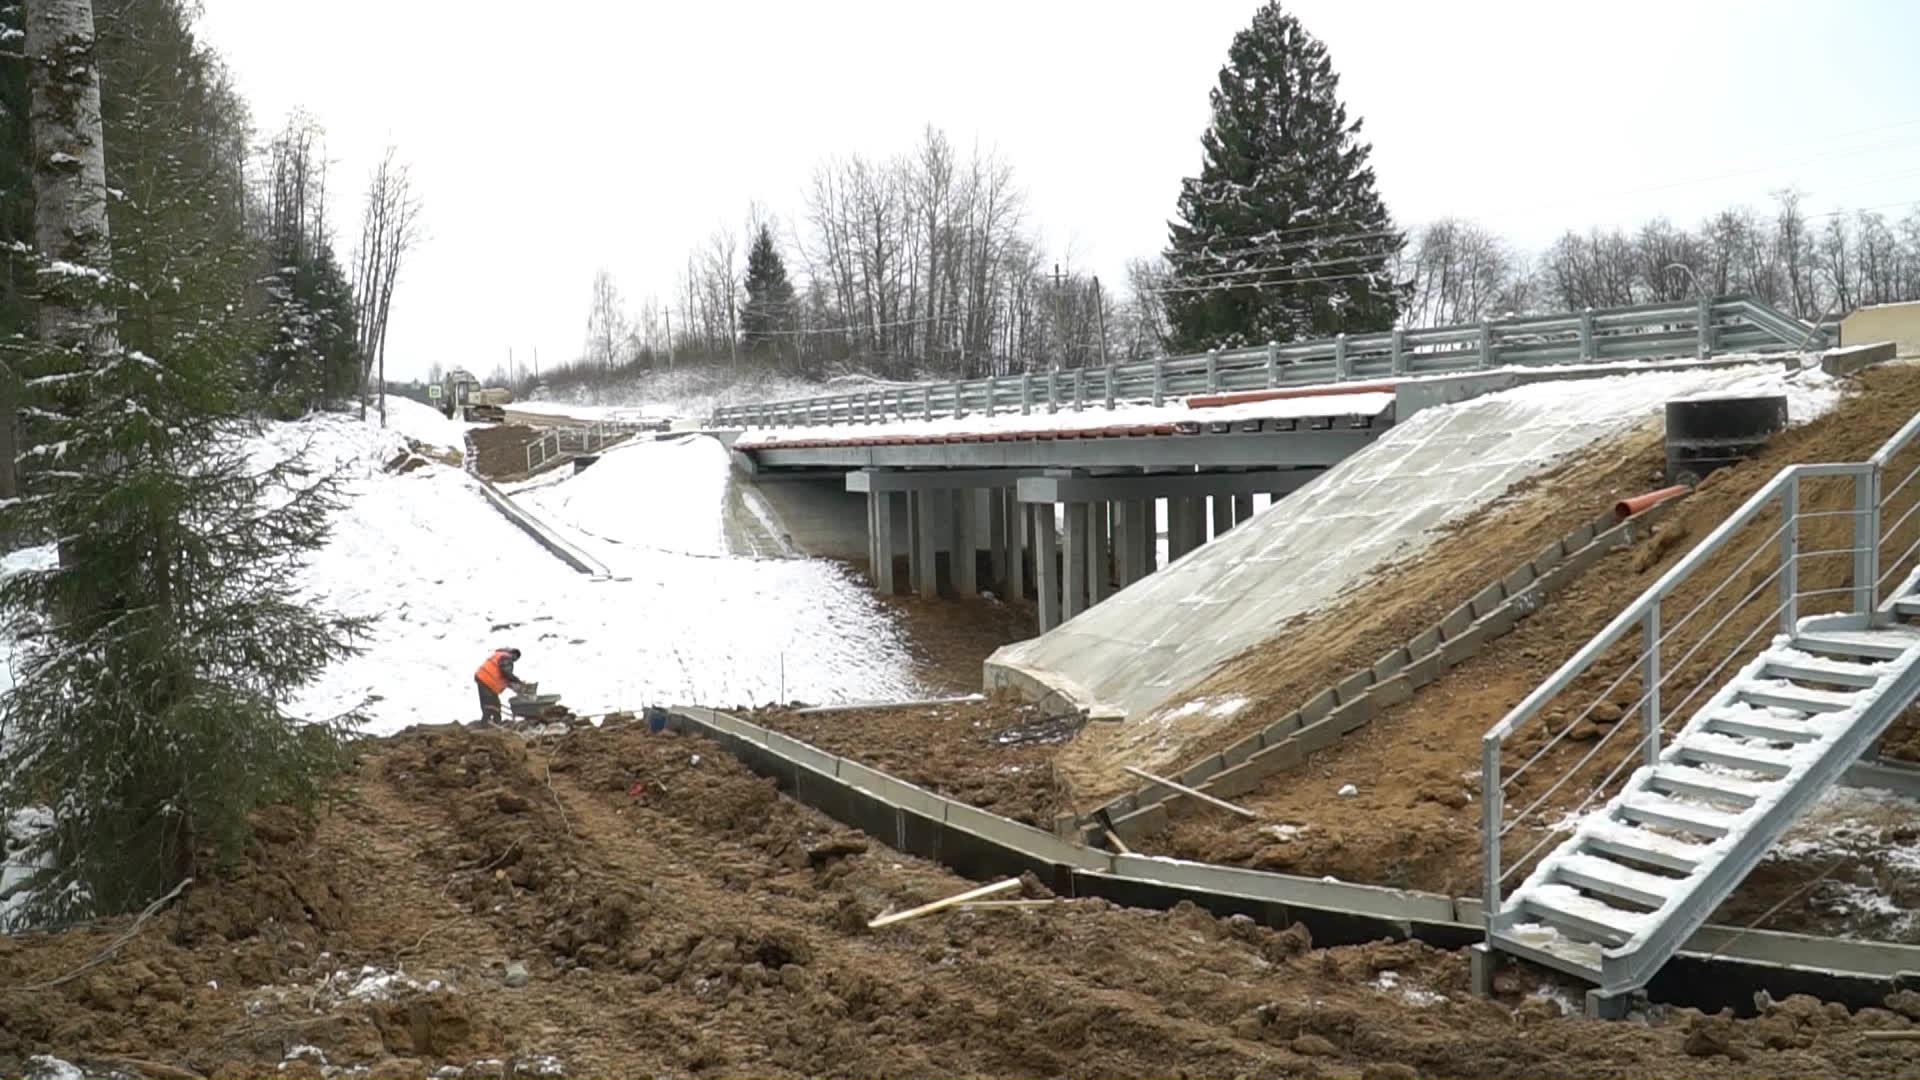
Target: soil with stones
[(1412, 818), (618, 903), (996, 754)]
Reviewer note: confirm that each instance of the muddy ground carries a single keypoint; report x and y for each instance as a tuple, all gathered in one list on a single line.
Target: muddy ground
[(996, 753), (500, 450), (617, 903)]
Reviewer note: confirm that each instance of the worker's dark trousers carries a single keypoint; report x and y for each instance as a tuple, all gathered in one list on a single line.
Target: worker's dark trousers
[(489, 701)]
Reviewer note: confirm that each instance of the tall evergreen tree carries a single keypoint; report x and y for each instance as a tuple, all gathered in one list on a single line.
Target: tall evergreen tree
[(1282, 235), (769, 309), (155, 656)]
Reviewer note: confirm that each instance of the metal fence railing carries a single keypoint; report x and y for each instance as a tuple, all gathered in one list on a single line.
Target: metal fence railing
[(1697, 328), (542, 450), (1816, 539)]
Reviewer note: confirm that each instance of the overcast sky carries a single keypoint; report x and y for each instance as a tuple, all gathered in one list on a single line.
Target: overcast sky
[(552, 139)]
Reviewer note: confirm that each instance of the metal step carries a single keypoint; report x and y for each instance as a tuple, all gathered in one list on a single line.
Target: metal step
[(1907, 605), (1758, 726), (1649, 808), (1701, 784), (1797, 698), (1623, 841), (1731, 755), (1561, 906), (1839, 674), (1593, 874), (1851, 644)]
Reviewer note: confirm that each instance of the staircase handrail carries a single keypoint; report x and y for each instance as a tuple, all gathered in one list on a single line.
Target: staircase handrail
[(1644, 612)]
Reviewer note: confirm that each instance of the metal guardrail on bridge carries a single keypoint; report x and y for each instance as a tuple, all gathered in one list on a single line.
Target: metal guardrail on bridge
[(1699, 328)]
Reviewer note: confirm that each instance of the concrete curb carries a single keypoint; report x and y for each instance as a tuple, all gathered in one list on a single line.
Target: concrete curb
[(1393, 679), (1720, 965), (541, 534)]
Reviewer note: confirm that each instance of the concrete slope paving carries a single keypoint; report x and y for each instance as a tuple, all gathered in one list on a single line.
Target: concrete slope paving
[(1132, 652)]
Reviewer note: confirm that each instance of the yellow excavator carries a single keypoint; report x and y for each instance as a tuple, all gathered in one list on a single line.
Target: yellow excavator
[(463, 398)]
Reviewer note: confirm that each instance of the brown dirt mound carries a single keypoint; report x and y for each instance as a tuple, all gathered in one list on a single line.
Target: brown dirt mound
[(624, 904), (996, 754), (500, 450), (1416, 766)]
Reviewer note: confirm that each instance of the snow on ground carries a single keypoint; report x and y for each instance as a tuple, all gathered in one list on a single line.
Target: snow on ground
[(685, 481), (450, 579), (425, 424)]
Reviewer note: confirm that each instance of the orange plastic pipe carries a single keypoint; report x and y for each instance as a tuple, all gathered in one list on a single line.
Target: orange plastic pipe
[(1626, 508)]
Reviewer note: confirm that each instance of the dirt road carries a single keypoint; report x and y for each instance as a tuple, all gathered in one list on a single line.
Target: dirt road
[(616, 903)]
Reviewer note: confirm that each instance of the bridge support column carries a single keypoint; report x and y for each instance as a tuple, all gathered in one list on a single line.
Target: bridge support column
[(997, 501), (1099, 551), (1242, 508), (1019, 548), (1075, 558), (964, 562), (880, 541), (1222, 515), (920, 556), (1151, 552), (1185, 525), (1046, 567), (1136, 527)]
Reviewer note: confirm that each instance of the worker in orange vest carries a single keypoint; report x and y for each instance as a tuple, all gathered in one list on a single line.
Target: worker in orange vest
[(493, 678)]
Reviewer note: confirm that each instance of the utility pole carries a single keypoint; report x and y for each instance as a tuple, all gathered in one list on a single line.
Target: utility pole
[(536, 363), (512, 373), (669, 314)]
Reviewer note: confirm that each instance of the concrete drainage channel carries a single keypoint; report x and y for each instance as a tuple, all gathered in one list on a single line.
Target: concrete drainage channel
[(543, 535), (1720, 966)]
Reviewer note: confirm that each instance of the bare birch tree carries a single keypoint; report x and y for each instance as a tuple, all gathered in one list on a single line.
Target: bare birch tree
[(389, 229)]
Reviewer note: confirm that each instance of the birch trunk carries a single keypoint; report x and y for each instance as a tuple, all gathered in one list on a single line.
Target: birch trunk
[(70, 194)]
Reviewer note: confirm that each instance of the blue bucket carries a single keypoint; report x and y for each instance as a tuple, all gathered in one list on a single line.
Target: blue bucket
[(656, 719)]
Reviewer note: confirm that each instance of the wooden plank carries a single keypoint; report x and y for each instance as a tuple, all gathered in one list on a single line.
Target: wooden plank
[(941, 905), (1201, 795)]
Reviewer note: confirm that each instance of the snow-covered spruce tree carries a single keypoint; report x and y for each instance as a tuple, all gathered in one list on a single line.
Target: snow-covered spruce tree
[(1281, 237), (156, 656), (769, 310)]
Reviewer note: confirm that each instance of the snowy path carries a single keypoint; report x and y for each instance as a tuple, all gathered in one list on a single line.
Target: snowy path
[(450, 578)]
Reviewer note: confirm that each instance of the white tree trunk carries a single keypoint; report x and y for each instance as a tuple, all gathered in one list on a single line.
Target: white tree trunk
[(69, 168), (70, 196)]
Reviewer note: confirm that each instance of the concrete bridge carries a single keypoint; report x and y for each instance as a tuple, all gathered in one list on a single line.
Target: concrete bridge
[(1069, 495)]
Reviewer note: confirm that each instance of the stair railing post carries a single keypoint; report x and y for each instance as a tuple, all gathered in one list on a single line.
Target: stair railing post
[(1789, 551), (1866, 540), (1650, 680), (1491, 809)]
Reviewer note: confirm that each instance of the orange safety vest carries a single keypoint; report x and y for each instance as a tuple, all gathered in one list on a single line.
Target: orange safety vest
[(490, 675)]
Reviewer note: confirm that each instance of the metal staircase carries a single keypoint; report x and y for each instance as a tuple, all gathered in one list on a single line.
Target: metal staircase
[(1660, 841)]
